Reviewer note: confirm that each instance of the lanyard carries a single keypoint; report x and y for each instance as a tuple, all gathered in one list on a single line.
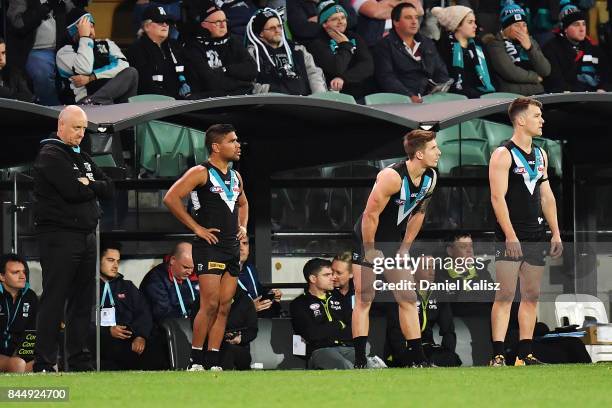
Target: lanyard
[(10, 320), (180, 297), (107, 289), (254, 284)]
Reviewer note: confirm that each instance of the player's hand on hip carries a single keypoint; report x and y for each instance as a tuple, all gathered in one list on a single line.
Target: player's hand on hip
[(372, 254), (207, 234), (242, 232), (513, 248), (556, 247)]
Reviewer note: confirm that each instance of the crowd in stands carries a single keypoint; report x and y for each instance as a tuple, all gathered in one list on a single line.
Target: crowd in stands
[(203, 48)]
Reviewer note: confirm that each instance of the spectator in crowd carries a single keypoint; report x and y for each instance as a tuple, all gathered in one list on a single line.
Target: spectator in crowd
[(127, 339), (240, 331), (159, 60), (343, 55), (473, 306), (343, 279), (36, 30), (282, 66), (374, 17), (429, 25), (172, 8), (517, 62), (239, 13), (12, 83), (18, 306), (463, 56), (405, 61), (577, 64), (303, 19), (322, 321), (220, 64), (94, 72), (167, 286), (432, 311), (266, 301)]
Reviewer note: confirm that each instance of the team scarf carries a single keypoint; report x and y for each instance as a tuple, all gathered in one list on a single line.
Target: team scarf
[(482, 71), (333, 46)]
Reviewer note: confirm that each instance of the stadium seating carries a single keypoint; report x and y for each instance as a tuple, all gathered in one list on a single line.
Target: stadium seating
[(473, 152), (382, 98), (150, 98), (178, 334), (334, 96), (500, 95), (163, 148), (443, 97)]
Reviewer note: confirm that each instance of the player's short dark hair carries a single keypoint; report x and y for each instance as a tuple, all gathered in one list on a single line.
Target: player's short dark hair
[(10, 257), (520, 105), (314, 266), (396, 12), (454, 236), (2, 41), (216, 133), (416, 140), (106, 245)]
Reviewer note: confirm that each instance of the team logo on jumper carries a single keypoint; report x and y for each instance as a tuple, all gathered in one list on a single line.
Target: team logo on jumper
[(315, 306), (87, 166), (216, 265), (216, 190)]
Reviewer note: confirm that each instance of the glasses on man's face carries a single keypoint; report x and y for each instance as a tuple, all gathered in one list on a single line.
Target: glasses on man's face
[(274, 28), (218, 23)]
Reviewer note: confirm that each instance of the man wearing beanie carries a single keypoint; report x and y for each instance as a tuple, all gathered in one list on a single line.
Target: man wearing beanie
[(517, 62), (343, 55), (282, 66), (219, 63), (577, 64), (462, 54), (94, 72), (405, 61)]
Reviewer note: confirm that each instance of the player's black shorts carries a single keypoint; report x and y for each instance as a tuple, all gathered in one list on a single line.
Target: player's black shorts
[(216, 259), (389, 249), (534, 246)]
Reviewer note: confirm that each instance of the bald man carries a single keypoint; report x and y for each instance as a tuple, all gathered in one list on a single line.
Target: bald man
[(67, 187)]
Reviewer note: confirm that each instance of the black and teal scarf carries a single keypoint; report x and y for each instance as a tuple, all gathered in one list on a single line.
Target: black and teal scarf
[(517, 53), (333, 45), (480, 63)]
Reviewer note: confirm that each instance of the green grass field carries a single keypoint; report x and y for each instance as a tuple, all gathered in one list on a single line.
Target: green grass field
[(547, 386)]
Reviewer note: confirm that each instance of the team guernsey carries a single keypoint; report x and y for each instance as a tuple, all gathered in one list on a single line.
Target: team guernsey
[(215, 206), (409, 199), (523, 199)]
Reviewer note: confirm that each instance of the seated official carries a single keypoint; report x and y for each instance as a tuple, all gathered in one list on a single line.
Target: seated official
[(344, 289), (128, 340), (322, 321), (266, 301), (167, 287), (431, 312), (18, 307), (240, 331)]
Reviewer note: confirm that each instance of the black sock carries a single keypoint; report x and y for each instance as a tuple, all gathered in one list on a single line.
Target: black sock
[(197, 356), (524, 348), (414, 352), (211, 359), (498, 348), (360, 348)]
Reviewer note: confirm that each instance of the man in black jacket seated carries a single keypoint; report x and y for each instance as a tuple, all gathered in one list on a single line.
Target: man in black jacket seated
[(219, 62), (127, 339), (67, 187), (405, 61), (431, 311), (160, 61), (240, 331), (322, 321)]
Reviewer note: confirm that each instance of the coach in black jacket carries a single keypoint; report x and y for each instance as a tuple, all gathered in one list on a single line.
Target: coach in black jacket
[(322, 321), (131, 343), (67, 187)]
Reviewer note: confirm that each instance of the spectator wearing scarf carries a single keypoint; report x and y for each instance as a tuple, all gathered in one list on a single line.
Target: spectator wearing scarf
[(464, 58), (343, 55), (517, 62), (577, 64)]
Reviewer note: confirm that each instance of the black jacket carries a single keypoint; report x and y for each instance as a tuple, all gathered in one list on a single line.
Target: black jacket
[(24, 311), (242, 318), (219, 67), (158, 288), (302, 30), (13, 85), (61, 202), (352, 62), (151, 60), (321, 322), (397, 72), (131, 308), (347, 300), (565, 69)]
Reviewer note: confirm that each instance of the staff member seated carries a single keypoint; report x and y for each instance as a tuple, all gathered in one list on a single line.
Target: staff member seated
[(18, 306)]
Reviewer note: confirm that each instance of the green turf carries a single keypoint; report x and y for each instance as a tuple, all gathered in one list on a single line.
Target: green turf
[(547, 386)]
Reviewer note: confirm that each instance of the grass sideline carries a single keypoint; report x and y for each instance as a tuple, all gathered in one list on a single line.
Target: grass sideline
[(545, 386)]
